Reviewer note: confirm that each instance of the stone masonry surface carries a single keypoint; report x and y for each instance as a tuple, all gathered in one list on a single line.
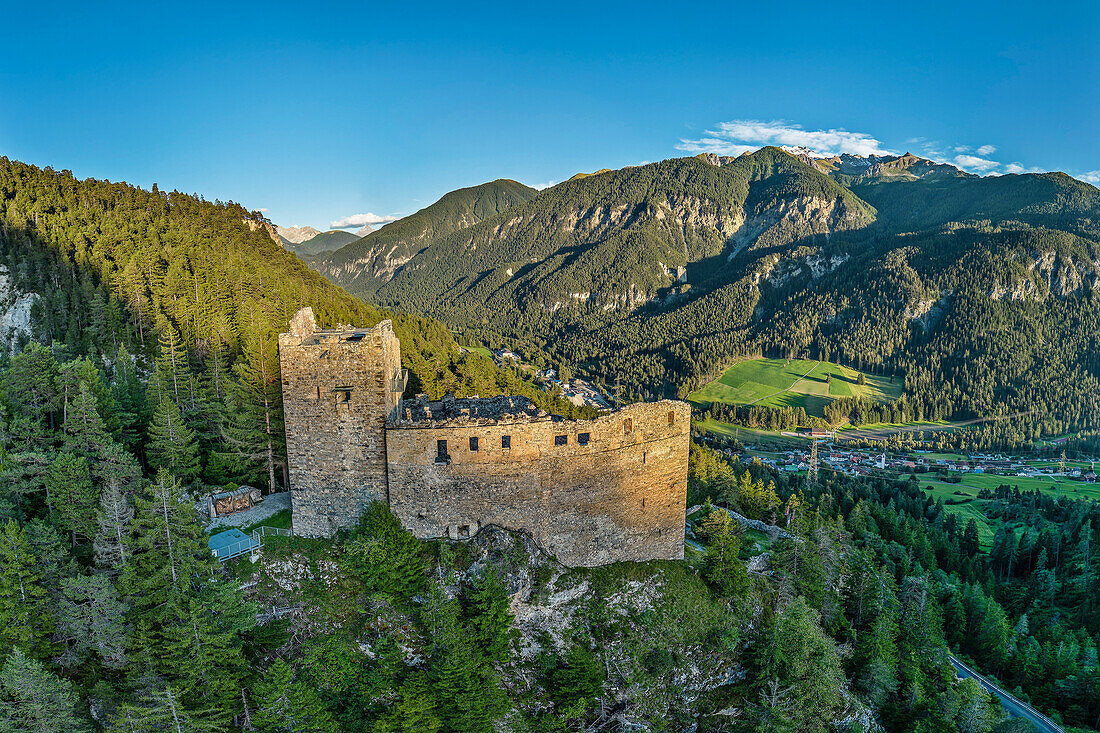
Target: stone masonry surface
[(590, 492)]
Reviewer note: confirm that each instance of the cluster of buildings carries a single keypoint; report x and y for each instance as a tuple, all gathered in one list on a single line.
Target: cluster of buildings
[(865, 463), (577, 391)]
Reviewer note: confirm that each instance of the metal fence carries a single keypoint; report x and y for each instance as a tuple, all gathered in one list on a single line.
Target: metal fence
[(243, 547)]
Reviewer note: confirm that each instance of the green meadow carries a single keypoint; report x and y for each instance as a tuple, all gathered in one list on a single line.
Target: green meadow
[(793, 383)]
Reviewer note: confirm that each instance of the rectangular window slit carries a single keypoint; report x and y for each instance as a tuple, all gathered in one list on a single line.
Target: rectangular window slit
[(441, 452), (506, 441), (473, 444), (582, 438), (561, 439), (628, 426)]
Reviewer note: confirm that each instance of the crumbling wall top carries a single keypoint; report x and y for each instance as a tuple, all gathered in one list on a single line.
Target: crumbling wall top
[(303, 324), (451, 410)]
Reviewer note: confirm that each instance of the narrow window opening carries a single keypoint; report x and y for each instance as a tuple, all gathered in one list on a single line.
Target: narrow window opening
[(672, 418), (583, 438), (473, 444), (561, 439), (643, 503), (463, 531), (318, 391), (628, 426), (506, 441), (441, 452)]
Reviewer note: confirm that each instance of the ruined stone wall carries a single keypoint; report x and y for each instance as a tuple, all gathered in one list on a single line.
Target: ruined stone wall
[(619, 497), (339, 387)]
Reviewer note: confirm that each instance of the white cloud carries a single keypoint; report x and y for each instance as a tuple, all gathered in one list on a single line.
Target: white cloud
[(740, 136), (987, 150), (264, 210), (974, 164), (543, 186), (962, 148), (1092, 177), (358, 220), (1020, 168)]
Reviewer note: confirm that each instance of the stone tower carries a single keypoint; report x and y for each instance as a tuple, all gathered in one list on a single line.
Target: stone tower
[(339, 388)]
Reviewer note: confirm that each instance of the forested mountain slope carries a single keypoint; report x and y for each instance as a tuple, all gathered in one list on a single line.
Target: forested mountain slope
[(366, 264), (977, 291), (322, 244), (115, 267)]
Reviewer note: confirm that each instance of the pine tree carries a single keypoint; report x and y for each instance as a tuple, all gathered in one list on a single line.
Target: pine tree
[(161, 711), (969, 545), (288, 706), (69, 482), (85, 433), (201, 650), (171, 443), (120, 476), (801, 655), (415, 710), (168, 552), (490, 614), (30, 384), (33, 699), (91, 620), (25, 618), (129, 395), (254, 424), (170, 373)]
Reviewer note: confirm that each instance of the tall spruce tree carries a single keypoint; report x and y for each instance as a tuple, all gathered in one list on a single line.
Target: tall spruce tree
[(26, 620), (172, 444), (254, 424), (286, 705)]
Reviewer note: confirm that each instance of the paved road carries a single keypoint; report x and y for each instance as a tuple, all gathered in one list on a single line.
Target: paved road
[(1016, 708)]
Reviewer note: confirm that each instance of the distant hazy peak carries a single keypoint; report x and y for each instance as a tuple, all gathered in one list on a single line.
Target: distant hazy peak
[(297, 235), (367, 229), (902, 167)]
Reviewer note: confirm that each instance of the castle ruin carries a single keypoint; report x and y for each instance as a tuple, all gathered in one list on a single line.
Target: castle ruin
[(589, 492)]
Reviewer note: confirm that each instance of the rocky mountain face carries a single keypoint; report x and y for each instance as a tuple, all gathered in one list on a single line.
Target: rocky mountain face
[(660, 275), (365, 265), (297, 235), (614, 241)]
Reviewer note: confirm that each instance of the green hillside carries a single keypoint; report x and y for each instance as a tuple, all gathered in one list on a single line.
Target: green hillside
[(366, 264), (793, 383)]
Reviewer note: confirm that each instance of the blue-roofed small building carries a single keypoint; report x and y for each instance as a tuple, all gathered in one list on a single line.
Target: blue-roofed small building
[(232, 543)]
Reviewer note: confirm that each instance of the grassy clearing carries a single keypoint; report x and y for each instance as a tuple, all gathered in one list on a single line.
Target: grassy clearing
[(1050, 486), (793, 383), (971, 507), (748, 435)]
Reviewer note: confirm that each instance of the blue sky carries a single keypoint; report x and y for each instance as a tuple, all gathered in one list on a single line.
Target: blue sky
[(319, 111)]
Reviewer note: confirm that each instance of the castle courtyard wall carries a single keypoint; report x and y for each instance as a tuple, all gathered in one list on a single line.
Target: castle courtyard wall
[(620, 496)]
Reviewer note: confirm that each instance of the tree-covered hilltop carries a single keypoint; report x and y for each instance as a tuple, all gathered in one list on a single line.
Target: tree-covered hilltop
[(195, 291), (978, 293), (363, 266)]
